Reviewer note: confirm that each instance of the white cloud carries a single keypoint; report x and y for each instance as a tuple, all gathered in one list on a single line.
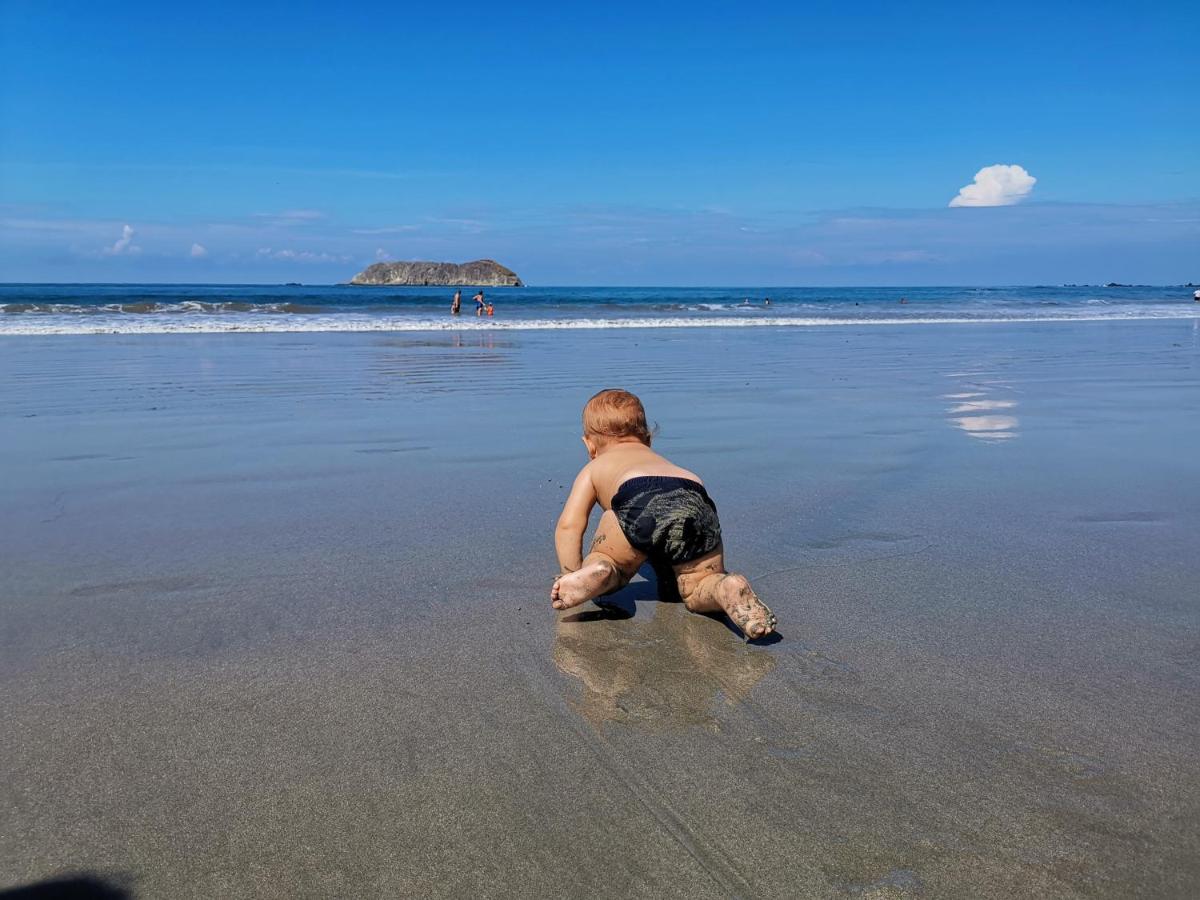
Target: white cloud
[(382, 255), (996, 186), (124, 245), (199, 251), (301, 255)]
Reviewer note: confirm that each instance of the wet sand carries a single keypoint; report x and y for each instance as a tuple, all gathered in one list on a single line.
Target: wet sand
[(275, 618)]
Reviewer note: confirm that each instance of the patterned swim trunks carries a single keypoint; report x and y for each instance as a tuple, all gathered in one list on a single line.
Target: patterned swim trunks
[(667, 518)]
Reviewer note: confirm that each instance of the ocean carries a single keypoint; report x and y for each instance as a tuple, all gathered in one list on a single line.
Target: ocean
[(161, 309)]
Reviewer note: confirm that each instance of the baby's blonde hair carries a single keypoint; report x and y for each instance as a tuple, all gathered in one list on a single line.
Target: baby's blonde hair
[(614, 413)]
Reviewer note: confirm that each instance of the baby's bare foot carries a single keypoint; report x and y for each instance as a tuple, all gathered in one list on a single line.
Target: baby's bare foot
[(582, 585), (743, 606)]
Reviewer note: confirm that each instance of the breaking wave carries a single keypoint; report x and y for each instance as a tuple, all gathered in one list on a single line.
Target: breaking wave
[(258, 322)]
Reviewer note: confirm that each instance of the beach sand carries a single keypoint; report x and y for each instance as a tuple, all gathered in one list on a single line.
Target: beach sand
[(276, 621)]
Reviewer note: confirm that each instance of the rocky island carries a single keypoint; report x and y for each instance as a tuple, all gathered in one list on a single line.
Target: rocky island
[(481, 273)]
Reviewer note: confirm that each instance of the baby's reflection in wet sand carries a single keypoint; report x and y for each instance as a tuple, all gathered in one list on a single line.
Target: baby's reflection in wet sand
[(671, 670)]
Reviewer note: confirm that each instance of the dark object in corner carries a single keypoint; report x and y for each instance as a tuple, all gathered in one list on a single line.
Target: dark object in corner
[(70, 887)]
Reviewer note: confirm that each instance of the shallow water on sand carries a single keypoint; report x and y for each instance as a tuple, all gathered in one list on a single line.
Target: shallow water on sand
[(275, 616)]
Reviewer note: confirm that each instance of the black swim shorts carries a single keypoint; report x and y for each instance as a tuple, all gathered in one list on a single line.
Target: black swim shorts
[(669, 519)]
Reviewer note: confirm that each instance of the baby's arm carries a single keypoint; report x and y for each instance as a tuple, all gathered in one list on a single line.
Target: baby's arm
[(568, 535)]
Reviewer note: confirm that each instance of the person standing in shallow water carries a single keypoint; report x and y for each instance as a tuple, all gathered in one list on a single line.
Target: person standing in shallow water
[(478, 298), (456, 303)]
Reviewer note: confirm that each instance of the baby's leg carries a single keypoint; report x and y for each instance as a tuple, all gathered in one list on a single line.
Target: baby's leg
[(608, 566), (706, 587)]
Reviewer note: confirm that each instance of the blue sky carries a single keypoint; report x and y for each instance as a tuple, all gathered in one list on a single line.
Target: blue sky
[(632, 143)]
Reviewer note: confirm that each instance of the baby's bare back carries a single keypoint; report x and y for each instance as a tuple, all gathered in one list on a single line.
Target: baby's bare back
[(619, 463)]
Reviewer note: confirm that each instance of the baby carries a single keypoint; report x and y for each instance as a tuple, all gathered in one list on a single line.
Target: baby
[(652, 510)]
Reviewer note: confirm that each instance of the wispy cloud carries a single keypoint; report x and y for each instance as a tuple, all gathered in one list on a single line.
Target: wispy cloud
[(291, 217), (386, 229), (896, 256), (242, 169), (997, 185), (1049, 242), (124, 245), (307, 256), (470, 226), (199, 251)]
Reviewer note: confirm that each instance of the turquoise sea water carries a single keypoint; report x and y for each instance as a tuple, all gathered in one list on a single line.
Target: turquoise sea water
[(140, 308)]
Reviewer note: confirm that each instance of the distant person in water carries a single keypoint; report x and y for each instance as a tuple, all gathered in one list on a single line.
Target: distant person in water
[(478, 298), (1196, 296), (767, 302), (653, 510), (491, 310), (456, 303)]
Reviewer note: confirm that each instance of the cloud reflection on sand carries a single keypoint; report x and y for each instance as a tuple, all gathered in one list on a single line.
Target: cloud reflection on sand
[(975, 410), (671, 671)]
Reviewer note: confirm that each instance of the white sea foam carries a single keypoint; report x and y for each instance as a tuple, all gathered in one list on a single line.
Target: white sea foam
[(50, 324)]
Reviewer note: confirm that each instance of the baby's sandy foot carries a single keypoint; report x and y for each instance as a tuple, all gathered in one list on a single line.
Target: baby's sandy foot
[(743, 606), (582, 584)]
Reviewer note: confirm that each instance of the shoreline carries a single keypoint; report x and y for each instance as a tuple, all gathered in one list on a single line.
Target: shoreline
[(377, 325)]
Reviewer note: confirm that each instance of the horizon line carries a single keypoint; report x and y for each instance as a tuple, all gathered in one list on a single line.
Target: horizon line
[(743, 286)]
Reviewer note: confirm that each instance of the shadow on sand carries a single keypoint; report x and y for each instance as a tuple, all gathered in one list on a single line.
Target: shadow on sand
[(673, 670), (70, 887)]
